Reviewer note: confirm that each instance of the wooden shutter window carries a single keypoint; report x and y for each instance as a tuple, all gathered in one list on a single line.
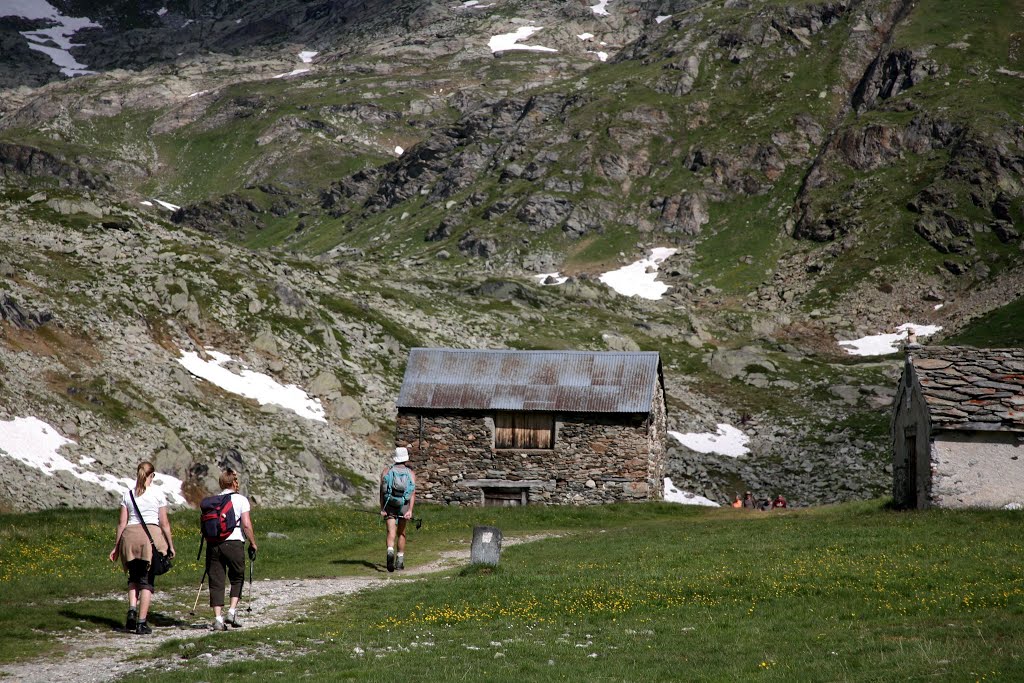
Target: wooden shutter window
[(503, 430), (533, 431)]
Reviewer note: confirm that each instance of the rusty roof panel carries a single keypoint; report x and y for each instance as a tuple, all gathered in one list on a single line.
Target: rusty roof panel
[(565, 381), (508, 396)]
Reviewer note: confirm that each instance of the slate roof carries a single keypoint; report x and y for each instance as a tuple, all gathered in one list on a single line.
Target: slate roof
[(556, 381), (971, 389)]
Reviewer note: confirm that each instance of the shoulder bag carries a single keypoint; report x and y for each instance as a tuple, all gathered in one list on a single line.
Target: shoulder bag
[(161, 563)]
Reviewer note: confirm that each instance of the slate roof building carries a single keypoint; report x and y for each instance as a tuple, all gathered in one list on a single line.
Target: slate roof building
[(490, 427), (958, 428)]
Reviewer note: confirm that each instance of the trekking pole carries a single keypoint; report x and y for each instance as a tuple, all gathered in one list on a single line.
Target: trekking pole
[(198, 593), (252, 561)]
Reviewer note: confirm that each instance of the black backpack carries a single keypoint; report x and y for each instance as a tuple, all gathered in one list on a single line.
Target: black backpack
[(217, 518)]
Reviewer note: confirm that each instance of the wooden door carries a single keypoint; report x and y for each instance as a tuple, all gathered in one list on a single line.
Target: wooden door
[(911, 489), (504, 497)]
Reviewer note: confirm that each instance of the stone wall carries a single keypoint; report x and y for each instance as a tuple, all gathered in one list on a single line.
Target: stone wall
[(596, 458), (977, 469), (657, 449)]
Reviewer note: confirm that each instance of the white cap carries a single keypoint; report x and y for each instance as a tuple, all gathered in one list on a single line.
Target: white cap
[(401, 454)]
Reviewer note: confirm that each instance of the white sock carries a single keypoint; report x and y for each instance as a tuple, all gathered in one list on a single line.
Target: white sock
[(231, 613), (401, 555), (220, 618), (391, 551)]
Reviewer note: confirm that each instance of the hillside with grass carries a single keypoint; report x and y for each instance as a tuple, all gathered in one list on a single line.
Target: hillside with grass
[(312, 192), (854, 592)]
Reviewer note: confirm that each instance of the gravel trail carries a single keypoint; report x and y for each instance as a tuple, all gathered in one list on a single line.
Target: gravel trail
[(99, 657)]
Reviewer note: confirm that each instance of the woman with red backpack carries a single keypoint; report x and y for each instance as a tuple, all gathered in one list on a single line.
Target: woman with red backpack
[(229, 554)]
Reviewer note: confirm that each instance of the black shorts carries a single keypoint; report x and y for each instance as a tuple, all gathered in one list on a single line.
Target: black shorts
[(141, 574)]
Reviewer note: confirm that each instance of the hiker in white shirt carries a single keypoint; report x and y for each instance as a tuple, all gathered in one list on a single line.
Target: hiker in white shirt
[(229, 555), (133, 546)]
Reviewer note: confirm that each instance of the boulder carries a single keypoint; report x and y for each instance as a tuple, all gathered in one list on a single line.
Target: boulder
[(619, 342)]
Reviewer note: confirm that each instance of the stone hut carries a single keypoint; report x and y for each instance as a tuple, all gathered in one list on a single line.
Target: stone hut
[(517, 427), (958, 428)]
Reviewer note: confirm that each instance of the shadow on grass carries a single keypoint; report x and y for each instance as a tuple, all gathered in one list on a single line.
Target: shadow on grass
[(361, 563), (154, 619), (97, 619)]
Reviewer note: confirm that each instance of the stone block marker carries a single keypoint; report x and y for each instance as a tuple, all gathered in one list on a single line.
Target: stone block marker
[(486, 548)]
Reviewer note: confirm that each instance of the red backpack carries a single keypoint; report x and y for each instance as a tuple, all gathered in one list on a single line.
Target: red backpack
[(217, 518)]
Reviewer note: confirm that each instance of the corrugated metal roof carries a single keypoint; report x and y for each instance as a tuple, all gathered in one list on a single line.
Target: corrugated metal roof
[(971, 389), (557, 381)]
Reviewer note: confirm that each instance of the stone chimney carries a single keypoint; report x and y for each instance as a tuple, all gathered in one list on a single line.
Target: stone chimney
[(912, 339)]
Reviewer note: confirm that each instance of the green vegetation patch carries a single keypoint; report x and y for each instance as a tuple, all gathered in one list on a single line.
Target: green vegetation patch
[(620, 592), (1001, 328), (354, 311), (660, 592)]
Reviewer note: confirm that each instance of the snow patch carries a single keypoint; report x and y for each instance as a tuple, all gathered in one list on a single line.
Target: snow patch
[(255, 385), (585, 36), (726, 441), (399, 150), (884, 344), (559, 279), (510, 41), (294, 72), (640, 278), (33, 442), (306, 56), (674, 495), (662, 17), (166, 205), (599, 8), (55, 42)]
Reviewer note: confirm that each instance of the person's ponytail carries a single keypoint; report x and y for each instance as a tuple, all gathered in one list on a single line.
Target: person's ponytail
[(145, 469)]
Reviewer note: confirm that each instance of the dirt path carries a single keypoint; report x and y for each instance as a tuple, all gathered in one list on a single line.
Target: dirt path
[(99, 657)]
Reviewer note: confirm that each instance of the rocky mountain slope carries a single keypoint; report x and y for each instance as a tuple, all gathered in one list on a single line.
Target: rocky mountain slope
[(349, 180)]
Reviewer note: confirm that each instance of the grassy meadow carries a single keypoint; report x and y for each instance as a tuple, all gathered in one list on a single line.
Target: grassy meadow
[(643, 592)]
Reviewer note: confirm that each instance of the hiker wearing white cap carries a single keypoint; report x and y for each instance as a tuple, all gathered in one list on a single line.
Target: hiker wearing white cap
[(397, 498)]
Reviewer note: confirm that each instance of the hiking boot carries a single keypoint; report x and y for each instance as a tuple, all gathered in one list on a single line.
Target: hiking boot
[(143, 629), (131, 621), (219, 626), (400, 563), (391, 562), (232, 620)]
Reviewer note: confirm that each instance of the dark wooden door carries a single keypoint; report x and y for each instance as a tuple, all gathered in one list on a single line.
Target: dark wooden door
[(504, 497), (910, 481)]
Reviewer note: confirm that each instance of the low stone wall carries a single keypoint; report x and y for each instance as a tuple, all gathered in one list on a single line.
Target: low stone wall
[(596, 459), (977, 469)]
